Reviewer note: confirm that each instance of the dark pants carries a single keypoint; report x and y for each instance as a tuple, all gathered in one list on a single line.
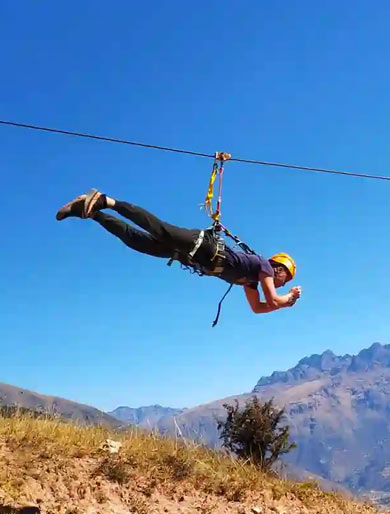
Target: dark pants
[(158, 238)]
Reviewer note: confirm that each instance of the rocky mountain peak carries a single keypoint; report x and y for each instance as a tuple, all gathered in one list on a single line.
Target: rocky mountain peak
[(376, 355), (322, 362), (328, 364)]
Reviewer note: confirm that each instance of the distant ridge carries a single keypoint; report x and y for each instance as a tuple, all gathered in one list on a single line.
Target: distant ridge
[(144, 416), (11, 396)]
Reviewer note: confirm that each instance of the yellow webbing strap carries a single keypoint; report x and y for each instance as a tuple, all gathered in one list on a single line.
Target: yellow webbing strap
[(220, 157), (208, 203)]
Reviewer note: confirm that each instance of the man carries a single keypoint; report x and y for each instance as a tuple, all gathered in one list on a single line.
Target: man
[(196, 248)]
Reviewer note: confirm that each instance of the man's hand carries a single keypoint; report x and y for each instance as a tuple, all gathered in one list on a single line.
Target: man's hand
[(295, 293)]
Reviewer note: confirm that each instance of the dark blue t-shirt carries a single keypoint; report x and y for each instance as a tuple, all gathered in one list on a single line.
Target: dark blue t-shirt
[(243, 269)]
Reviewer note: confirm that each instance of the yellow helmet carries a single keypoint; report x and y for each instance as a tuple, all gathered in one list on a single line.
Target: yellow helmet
[(287, 261)]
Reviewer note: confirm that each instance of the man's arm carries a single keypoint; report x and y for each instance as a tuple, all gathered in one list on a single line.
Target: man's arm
[(257, 306), (273, 300)]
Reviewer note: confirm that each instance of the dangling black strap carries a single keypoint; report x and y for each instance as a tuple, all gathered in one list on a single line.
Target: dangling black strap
[(220, 304)]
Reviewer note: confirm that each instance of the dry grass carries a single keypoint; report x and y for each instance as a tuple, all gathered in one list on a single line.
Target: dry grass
[(166, 460), (31, 449)]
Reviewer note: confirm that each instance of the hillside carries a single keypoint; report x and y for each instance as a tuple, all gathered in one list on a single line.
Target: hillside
[(49, 466), (339, 412), (15, 396)]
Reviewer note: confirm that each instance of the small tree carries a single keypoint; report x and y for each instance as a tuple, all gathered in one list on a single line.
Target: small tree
[(254, 432)]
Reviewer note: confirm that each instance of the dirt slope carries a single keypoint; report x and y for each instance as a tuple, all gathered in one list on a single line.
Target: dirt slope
[(49, 466)]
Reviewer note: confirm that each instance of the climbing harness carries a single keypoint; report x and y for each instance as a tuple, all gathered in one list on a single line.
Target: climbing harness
[(218, 257), (188, 262)]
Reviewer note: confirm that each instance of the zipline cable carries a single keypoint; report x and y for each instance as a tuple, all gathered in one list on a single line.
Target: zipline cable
[(103, 138), (189, 152)]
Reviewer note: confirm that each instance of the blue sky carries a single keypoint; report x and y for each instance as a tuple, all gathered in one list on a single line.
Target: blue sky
[(84, 317)]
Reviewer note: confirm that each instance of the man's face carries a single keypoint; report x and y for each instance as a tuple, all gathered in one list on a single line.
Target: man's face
[(281, 276)]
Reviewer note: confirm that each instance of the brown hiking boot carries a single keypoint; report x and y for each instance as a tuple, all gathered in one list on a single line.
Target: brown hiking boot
[(75, 208), (84, 206)]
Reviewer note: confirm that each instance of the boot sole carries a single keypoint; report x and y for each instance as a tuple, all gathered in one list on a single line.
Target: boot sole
[(90, 202)]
